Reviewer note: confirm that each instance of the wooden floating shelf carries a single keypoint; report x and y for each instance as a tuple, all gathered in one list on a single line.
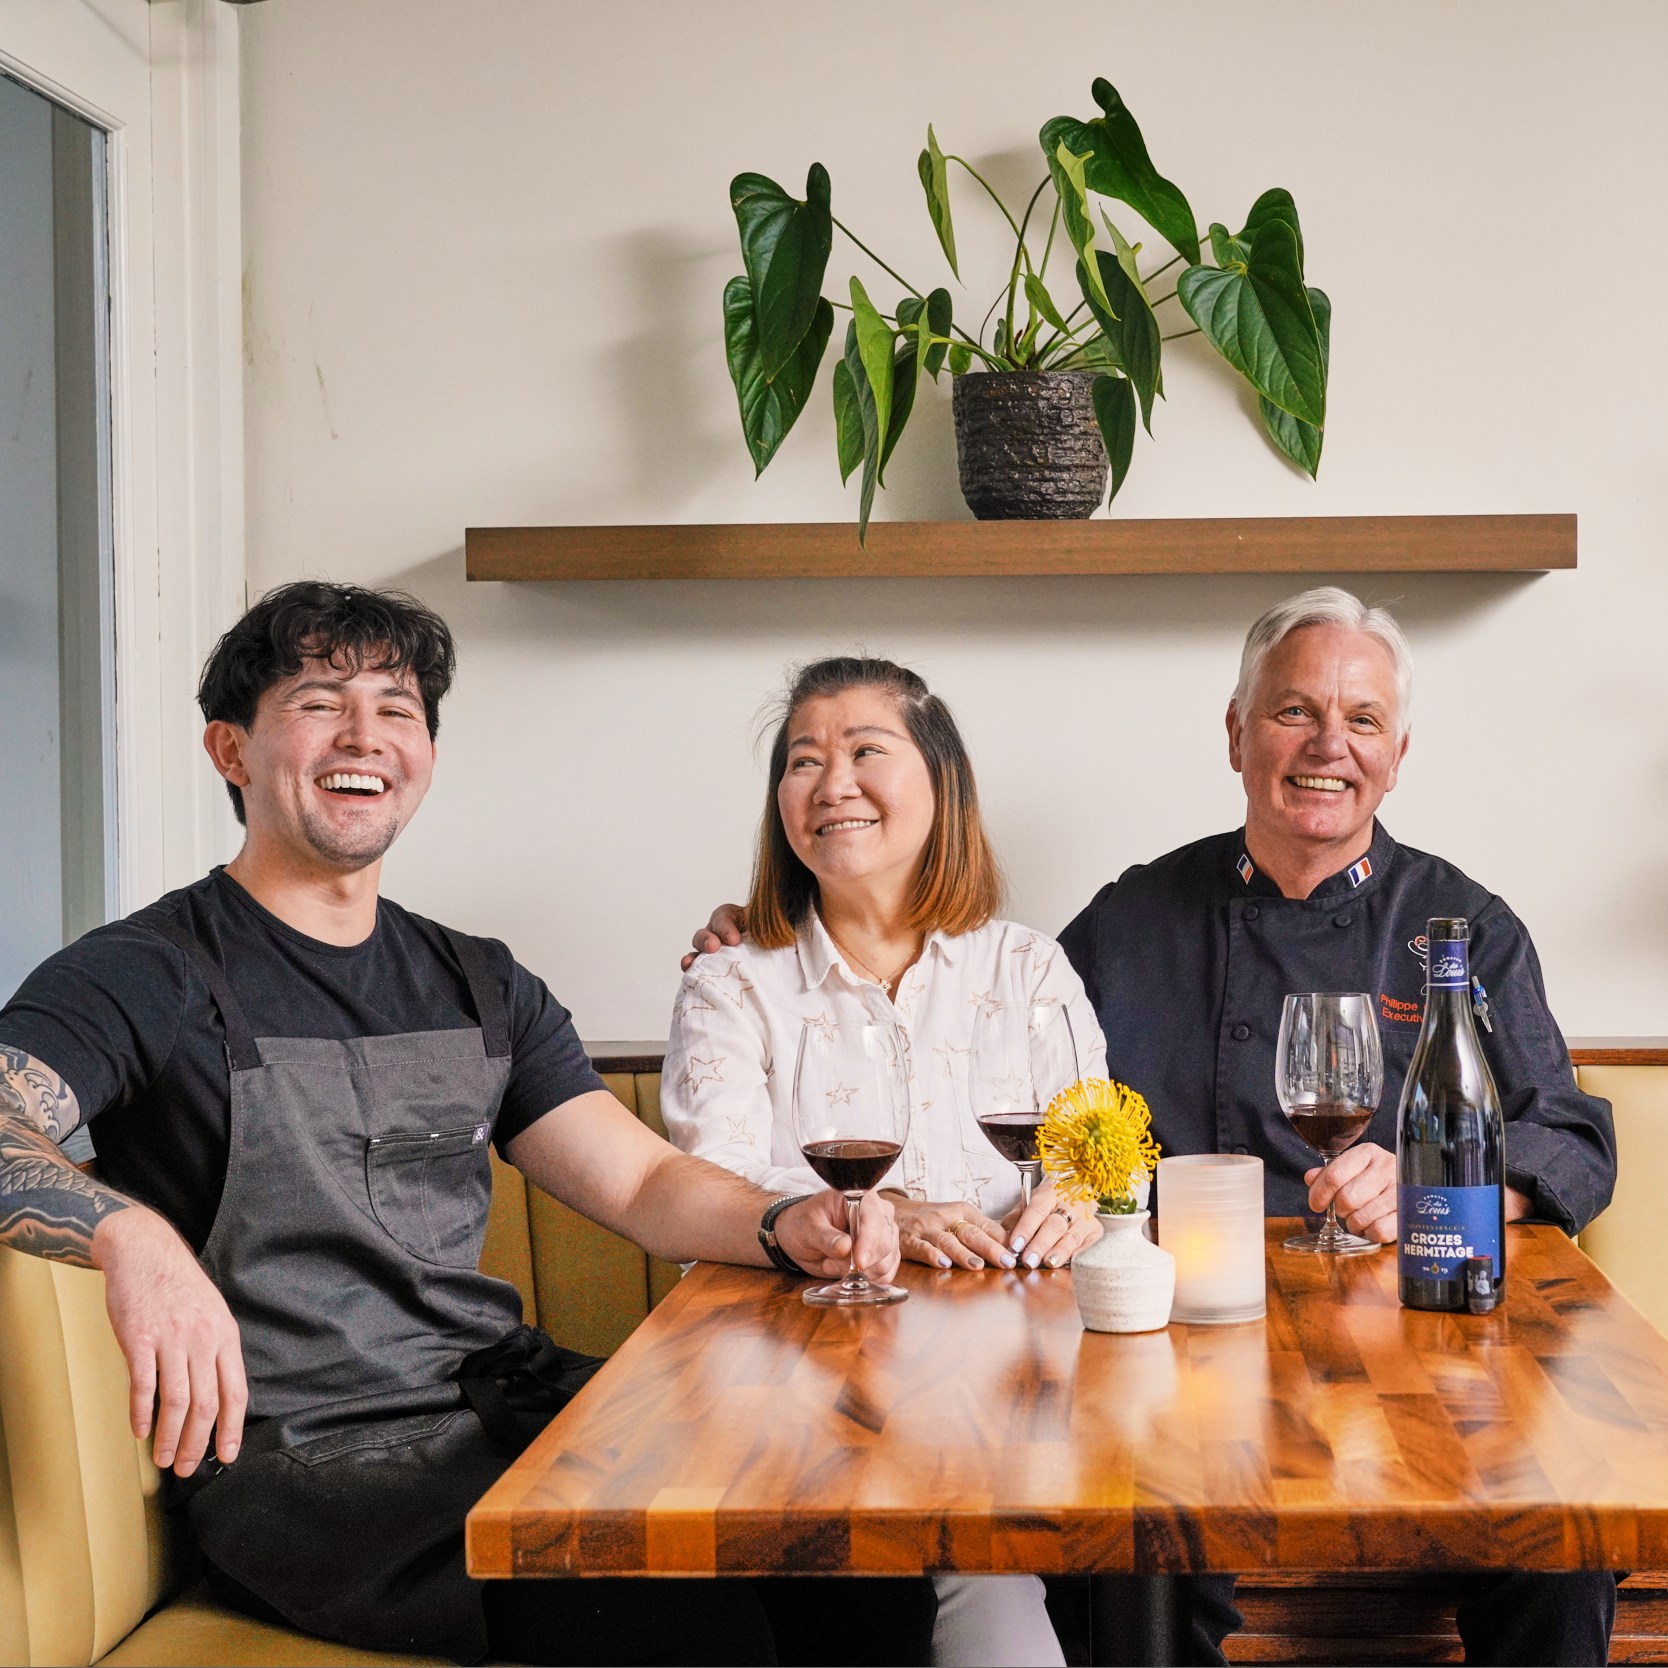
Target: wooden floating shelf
[(996, 549)]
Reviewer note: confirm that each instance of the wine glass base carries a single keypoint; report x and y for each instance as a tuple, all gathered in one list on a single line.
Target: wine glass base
[(1344, 1245), (841, 1296)]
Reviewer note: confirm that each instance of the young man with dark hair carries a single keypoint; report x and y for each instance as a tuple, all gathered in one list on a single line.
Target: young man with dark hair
[(294, 1085)]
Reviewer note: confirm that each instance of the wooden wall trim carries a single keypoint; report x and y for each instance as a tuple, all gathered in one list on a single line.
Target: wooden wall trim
[(1584, 1051)]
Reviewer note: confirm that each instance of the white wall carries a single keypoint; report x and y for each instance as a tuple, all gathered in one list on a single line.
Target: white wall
[(484, 245)]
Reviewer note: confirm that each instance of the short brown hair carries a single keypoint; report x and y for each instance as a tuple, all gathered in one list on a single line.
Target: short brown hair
[(959, 887), (313, 619)]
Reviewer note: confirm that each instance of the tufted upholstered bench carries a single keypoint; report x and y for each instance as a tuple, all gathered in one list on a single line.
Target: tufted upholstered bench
[(87, 1572)]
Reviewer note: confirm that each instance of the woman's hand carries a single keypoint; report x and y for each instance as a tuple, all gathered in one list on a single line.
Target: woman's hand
[(948, 1235), (1050, 1233)]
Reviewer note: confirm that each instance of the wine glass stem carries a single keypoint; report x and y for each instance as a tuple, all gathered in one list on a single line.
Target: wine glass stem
[(1027, 1180), (854, 1206), (1330, 1231)]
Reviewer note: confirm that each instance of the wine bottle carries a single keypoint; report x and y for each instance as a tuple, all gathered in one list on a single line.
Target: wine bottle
[(1450, 1139)]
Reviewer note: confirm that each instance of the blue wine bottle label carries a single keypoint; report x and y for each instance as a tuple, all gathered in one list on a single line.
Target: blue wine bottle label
[(1442, 1226), (1447, 965)]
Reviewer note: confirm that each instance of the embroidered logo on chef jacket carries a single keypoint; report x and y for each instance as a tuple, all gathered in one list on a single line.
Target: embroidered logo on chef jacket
[(1420, 948), (1246, 868), (1359, 872)]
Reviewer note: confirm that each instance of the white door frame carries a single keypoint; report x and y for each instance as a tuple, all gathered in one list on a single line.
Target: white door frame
[(160, 76)]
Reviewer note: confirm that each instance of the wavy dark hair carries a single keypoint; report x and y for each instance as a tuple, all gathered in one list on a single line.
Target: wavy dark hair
[(959, 887), (313, 619)]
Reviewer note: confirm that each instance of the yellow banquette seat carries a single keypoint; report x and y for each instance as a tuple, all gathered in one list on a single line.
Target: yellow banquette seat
[(87, 1571)]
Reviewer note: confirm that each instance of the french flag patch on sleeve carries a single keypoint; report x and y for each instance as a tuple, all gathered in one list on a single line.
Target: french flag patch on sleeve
[(1359, 872)]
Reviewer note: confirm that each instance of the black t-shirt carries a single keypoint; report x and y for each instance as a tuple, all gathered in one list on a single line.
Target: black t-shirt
[(130, 1025)]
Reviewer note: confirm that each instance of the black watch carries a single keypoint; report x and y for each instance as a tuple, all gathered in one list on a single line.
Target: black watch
[(767, 1232)]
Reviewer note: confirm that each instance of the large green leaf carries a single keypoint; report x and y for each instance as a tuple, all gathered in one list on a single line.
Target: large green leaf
[(1114, 400), (935, 181), (785, 245), (939, 320), (906, 366), (1273, 205), (1117, 165), (1258, 317), (1065, 167), (1132, 331), (961, 358), (870, 426), (1037, 294), (769, 409), (874, 345), (1301, 441), (848, 421)]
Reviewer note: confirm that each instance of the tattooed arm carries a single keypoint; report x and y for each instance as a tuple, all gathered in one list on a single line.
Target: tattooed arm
[(47, 1207), (181, 1343)]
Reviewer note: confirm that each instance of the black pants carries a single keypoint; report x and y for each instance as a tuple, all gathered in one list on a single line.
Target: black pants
[(1521, 1617), (357, 1536), (791, 1619)]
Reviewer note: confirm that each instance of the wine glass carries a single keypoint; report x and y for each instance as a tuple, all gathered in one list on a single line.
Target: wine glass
[(1329, 1073), (850, 1118), (1014, 1074)]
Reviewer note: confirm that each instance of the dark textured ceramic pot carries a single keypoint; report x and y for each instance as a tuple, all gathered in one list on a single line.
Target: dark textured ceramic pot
[(1028, 445)]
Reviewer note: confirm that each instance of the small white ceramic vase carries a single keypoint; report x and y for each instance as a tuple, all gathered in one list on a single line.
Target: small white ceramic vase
[(1123, 1282)]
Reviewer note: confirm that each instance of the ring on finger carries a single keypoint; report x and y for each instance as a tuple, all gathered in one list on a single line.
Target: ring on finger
[(957, 1226), (1060, 1210)]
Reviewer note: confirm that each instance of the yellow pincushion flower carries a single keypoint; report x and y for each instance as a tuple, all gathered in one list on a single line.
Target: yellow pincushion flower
[(1095, 1139)]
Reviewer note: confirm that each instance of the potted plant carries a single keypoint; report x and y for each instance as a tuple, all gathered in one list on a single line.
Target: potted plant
[(1044, 369), (1095, 1142)]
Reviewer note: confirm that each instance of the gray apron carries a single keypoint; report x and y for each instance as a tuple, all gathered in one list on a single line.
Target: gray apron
[(346, 1245)]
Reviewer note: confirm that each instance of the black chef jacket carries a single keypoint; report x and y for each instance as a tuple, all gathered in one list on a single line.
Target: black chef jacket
[(1187, 960)]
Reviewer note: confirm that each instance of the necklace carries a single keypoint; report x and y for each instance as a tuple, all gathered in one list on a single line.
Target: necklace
[(852, 956)]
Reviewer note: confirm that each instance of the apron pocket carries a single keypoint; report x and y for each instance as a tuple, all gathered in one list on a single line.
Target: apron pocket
[(430, 1191)]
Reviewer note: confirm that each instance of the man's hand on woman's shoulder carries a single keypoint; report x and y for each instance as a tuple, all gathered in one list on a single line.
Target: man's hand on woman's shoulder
[(725, 927)]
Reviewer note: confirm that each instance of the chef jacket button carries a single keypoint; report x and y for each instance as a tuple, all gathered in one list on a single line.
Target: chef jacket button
[(1241, 1032), (1342, 920), (1252, 913), (1241, 1149)]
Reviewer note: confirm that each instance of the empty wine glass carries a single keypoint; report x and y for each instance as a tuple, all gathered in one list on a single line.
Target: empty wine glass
[(851, 1117), (1329, 1074), (1021, 1059)]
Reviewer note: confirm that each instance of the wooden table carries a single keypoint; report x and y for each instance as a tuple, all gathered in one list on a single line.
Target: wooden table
[(978, 1427)]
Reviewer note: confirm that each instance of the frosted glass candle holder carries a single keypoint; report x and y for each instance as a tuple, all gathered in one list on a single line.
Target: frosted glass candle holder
[(1210, 1219)]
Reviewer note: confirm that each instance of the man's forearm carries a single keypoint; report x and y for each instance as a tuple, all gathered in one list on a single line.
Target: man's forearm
[(47, 1207), (691, 1210)]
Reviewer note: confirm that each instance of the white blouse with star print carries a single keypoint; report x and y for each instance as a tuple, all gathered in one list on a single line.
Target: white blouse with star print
[(727, 1085)]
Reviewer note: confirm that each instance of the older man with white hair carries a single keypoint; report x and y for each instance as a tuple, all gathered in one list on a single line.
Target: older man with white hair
[(1188, 958)]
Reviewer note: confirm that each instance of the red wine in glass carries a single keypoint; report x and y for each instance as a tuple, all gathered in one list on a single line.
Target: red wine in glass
[(851, 1118), (1328, 1076), (852, 1166), (1013, 1134), (1330, 1126), (1022, 1056)]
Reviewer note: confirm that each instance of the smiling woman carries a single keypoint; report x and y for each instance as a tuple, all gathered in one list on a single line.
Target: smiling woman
[(874, 898)]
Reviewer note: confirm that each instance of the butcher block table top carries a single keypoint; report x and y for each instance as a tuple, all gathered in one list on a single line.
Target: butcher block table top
[(978, 1427)]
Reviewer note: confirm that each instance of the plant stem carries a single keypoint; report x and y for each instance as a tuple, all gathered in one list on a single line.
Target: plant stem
[(1021, 254), (898, 275), (1156, 270), (1179, 334), (878, 261), (1155, 305), (1048, 248), (989, 192)]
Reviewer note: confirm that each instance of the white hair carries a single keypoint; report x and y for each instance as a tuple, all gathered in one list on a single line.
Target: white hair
[(1328, 605)]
